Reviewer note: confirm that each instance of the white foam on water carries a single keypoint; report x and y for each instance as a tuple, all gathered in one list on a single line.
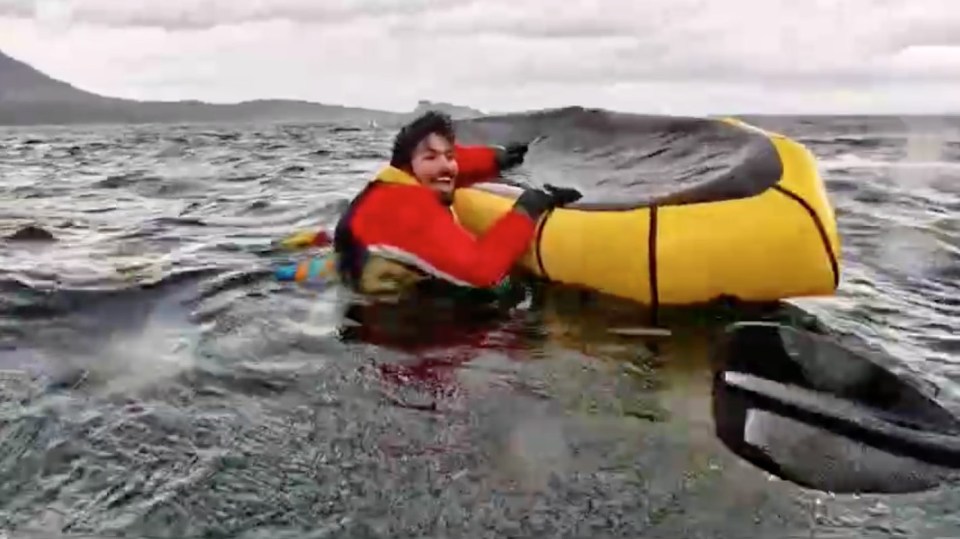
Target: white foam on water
[(135, 361), (913, 251), (919, 166)]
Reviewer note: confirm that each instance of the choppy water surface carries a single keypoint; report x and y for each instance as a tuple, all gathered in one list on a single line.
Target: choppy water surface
[(157, 382)]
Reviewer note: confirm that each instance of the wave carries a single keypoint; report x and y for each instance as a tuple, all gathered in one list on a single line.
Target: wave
[(851, 160)]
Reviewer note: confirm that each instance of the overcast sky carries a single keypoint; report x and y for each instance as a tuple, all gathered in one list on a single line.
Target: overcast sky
[(670, 56)]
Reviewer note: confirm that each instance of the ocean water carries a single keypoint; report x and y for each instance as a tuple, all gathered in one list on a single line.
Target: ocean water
[(155, 381)]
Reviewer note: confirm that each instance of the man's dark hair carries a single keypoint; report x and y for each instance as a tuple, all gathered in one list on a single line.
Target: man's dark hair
[(430, 122)]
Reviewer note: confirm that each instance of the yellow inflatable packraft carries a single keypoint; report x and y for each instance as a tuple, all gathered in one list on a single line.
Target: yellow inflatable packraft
[(764, 233)]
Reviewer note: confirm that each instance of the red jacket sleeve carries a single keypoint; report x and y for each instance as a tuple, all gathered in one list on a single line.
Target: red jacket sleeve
[(409, 224), (476, 164)]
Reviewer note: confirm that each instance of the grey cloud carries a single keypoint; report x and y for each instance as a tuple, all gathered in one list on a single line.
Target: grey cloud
[(642, 67), (782, 42), (203, 14), (16, 8), (552, 20), (492, 23), (486, 48)]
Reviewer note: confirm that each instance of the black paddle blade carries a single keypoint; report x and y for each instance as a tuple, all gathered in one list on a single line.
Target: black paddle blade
[(803, 407)]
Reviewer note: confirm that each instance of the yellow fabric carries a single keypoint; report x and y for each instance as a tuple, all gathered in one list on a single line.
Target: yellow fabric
[(801, 177), (761, 248), (298, 240), (391, 174), (382, 276)]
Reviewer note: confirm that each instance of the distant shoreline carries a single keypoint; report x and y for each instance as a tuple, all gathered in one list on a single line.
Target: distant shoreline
[(29, 97), (15, 118)]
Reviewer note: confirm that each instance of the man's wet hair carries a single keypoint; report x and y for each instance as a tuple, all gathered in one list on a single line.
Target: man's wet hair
[(430, 122)]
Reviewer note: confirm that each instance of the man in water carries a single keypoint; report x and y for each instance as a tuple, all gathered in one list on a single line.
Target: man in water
[(400, 232)]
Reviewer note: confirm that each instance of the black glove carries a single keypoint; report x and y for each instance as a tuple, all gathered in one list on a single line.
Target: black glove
[(535, 202), (563, 195), (511, 155)]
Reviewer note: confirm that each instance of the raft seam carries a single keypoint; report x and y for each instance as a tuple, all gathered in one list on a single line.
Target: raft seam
[(834, 265), (540, 227), (652, 259)]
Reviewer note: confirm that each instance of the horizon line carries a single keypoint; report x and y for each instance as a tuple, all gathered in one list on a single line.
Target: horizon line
[(427, 101)]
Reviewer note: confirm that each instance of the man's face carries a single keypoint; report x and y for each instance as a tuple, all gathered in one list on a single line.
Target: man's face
[(434, 164)]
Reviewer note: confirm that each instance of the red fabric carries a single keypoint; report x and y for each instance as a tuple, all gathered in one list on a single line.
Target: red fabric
[(321, 239), (412, 219), (476, 164)]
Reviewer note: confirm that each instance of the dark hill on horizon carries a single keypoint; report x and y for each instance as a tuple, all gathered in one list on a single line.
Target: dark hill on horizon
[(31, 97)]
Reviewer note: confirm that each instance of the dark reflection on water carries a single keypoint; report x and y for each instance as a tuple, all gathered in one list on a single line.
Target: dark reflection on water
[(786, 398), (802, 406)]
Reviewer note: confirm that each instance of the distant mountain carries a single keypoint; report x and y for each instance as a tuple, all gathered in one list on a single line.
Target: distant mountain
[(457, 112), (28, 96), (22, 84)]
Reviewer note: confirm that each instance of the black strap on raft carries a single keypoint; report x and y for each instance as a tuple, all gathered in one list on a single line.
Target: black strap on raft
[(351, 255), (831, 256), (652, 234)]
